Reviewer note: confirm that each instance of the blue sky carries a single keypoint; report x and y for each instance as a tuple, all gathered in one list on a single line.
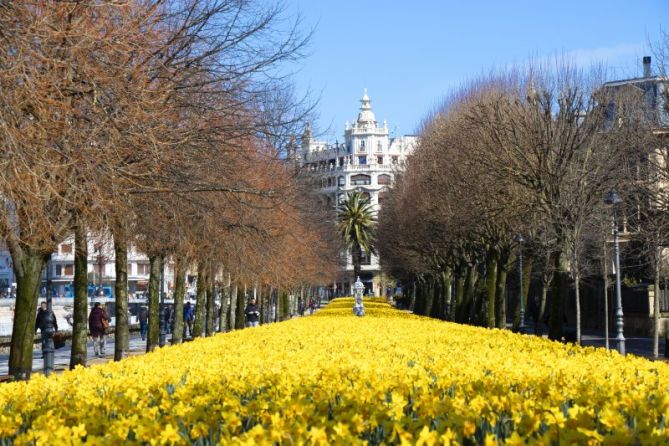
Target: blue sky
[(409, 54)]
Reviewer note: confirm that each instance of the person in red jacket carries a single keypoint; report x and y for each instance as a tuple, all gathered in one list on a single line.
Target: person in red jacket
[(98, 322)]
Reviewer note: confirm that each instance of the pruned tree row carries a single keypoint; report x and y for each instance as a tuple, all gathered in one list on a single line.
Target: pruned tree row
[(160, 125), (528, 152)]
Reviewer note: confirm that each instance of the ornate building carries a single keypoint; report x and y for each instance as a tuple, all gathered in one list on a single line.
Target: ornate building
[(367, 161)]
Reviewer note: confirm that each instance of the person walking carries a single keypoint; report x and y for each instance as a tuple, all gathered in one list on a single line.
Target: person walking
[(167, 319), (46, 323), (189, 317), (143, 321), (252, 314), (98, 322), (312, 305)]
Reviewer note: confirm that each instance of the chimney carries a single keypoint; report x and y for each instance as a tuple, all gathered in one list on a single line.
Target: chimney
[(646, 66)]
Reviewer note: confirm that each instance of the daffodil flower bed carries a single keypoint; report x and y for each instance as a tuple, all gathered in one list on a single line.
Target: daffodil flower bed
[(387, 378)]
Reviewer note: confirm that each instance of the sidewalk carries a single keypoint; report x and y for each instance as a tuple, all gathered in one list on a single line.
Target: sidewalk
[(62, 355), (635, 345)]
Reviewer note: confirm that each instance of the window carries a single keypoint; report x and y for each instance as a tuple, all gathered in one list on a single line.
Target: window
[(342, 181), (143, 269), (66, 248), (383, 179), (362, 160), (379, 160), (65, 270), (361, 180), (365, 259), (341, 160), (395, 159), (362, 146), (379, 147)]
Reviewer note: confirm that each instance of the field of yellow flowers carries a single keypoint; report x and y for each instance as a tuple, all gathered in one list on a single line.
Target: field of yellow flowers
[(387, 378)]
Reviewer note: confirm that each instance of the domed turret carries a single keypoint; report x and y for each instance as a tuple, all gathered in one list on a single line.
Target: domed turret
[(366, 115)]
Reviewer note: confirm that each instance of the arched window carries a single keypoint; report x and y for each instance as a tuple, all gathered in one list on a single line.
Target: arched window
[(361, 180), (383, 179), (342, 181)]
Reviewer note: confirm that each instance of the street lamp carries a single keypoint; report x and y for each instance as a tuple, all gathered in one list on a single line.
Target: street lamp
[(521, 325), (48, 349), (613, 200), (358, 289)]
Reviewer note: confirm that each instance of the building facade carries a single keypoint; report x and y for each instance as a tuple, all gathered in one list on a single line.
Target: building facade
[(367, 161)]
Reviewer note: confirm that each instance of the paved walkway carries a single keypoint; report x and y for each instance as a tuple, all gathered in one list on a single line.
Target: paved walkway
[(62, 355), (636, 345)]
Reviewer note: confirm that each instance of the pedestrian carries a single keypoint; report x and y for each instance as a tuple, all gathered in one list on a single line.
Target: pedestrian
[(98, 322), (167, 319), (143, 321), (252, 314), (46, 323), (189, 316), (312, 305)]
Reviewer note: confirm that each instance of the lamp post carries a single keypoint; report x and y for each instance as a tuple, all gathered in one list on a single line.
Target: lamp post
[(358, 289), (521, 324), (48, 348), (613, 200)]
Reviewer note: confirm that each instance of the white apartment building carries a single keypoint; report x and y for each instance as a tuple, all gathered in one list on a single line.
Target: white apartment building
[(367, 161)]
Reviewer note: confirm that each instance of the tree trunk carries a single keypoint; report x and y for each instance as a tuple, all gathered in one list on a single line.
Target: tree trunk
[(470, 288), (656, 304), (429, 295), (542, 309), (233, 308), (491, 288), (179, 293), (457, 310), (79, 350), (356, 254), (121, 329), (448, 292), (500, 294), (223, 310), (285, 305), (560, 281), (239, 310), (577, 285), (200, 301), (153, 331), (211, 302), (28, 265)]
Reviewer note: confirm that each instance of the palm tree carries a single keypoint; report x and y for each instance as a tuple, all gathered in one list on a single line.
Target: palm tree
[(356, 222)]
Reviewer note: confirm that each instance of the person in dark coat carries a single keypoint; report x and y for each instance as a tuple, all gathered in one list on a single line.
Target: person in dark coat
[(46, 323), (252, 314), (189, 317), (143, 321), (98, 321)]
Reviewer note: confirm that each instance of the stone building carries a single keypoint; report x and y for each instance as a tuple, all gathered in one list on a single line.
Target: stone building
[(366, 161)]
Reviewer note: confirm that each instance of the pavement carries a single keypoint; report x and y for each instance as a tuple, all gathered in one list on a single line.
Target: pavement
[(62, 355), (635, 345)]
